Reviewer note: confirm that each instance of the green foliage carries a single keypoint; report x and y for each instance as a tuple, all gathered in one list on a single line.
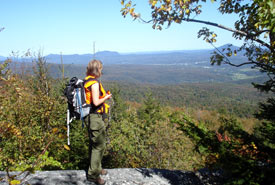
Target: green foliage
[(146, 137), (144, 134), (244, 157), (77, 157), (267, 110), (118, 106), (42, 76), (30, 122), (4, 70), (255, 26), (32, 128), (150, 111), (265, 133), (238, 100)]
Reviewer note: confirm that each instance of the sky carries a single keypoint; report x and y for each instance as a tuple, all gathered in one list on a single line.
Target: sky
[(72, 26)]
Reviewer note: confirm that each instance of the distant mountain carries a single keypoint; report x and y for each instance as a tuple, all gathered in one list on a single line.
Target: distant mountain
[(68, 59), (2, 58), (176, 57), (228, 45), (106, 54), (184, 57), (81, 59)]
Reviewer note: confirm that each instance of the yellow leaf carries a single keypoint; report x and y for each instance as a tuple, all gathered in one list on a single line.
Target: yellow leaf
[(55, 130), (122, 2), (15, 182), (265, 57), (132, 10), (254, 146), (187, 11), (66, 147), (154, 3), (214, 35)]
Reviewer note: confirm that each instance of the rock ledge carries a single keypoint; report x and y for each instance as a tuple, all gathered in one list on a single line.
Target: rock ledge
[(118, 176)]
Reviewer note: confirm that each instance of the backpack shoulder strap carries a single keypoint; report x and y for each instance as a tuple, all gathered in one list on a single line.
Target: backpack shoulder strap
[(89, 81)]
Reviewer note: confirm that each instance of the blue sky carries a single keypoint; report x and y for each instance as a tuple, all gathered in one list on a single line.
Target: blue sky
[(71, 27)]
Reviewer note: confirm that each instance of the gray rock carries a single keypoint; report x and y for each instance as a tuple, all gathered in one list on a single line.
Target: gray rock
[(118, 176)]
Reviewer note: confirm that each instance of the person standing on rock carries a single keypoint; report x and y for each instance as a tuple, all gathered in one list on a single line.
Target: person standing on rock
[(96, 97)]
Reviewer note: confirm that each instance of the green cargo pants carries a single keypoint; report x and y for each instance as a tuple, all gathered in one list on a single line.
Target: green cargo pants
[(97, 144)]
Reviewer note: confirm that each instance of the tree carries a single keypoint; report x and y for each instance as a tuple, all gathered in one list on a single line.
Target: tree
[(255, 26), (248, 158)]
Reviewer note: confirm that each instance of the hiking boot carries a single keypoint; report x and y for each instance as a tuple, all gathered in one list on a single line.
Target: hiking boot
[(98, 181), (103, 172)]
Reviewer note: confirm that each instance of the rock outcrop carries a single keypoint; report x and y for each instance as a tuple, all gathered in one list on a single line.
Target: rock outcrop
[(124, 176)]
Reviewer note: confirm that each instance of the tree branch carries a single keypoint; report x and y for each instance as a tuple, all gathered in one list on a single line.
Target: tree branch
[(239, 65), (222, 27), (226, 28), (228, 61)]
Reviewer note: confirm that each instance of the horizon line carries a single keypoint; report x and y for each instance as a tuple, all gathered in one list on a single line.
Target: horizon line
[(132, 52)]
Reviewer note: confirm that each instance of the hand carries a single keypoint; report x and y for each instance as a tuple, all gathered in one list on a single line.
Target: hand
[(108, 96)]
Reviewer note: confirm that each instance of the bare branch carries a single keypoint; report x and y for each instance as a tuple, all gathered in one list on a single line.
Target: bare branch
[(228, 29), (142, 20), (222, 27), (228, 61), (260, 32), (220, 52), (239, 65)]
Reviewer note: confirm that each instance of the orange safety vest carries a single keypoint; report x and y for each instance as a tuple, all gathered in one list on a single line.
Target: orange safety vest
[(102, 108)]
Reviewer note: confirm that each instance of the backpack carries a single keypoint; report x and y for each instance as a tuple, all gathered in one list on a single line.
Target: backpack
[(76, 99)]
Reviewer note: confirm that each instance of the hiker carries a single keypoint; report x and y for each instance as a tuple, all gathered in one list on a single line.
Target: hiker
[(96, 96)]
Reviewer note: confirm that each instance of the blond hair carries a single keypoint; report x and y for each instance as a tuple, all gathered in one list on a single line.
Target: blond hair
[(94, 68)]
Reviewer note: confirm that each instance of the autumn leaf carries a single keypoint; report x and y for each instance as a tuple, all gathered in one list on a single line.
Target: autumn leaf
[(66, 147), (55, 130), (132, 10), (154, 3), (13, 182)]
